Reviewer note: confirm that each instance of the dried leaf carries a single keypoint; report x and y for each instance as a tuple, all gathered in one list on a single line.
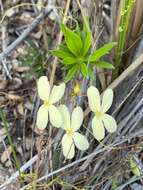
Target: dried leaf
[(3, 84), (6, 154), (38, 34), (21, 69), (16, 83), (2, 100), (20, 108), (14, 97)]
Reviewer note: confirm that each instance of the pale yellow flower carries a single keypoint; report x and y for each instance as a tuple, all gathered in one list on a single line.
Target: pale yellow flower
[(72, 138), (101, 120), (48, 111)]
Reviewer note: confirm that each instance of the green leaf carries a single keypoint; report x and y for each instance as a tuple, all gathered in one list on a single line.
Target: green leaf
[(134, 167), (69, 60), (87, 43), (102, 51), (86, 36), (71, 73), (84, 69), (64, 47), (72, 39), (61, 54), (104, 64)]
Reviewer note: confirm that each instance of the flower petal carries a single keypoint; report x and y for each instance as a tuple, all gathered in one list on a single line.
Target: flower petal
[(109, 123), (93, 98), (43, 88), (107, 100), (76, 118), (55, 116), (42, 117), (68, 146), (98, 129), (65, 116), (57, 93), (80, 141)]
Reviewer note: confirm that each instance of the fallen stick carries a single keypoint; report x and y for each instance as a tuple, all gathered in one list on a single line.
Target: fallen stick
[(25, 33)]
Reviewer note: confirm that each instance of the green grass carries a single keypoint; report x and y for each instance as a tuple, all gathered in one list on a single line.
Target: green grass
[(123, 29), (3, 118)]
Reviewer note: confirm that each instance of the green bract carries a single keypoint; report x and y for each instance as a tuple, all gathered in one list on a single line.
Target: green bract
[(75, 53)]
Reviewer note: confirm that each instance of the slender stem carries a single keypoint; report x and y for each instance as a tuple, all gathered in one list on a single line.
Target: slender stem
[(3, 118), (123, 28), (83, 15), (55, 61)]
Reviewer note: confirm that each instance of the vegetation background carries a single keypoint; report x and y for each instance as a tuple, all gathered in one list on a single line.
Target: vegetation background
[(32, 159)]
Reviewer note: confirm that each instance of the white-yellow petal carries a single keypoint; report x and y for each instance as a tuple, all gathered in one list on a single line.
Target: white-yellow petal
[(57, 93), (107, 100), (109, 123), (65, 116), (42, 117), (43, 88), (98, 129), (68, 146), (76, 118), (80, 141), (55, 116), (94, 99)]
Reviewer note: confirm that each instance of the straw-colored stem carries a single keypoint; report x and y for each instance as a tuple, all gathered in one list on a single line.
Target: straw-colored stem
[(54, 66), (55, 61)]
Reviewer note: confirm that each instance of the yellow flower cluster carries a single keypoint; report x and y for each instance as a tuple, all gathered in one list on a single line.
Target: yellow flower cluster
[(60, 116)]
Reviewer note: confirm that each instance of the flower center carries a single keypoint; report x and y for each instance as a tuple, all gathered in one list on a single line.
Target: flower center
[(70, 131), (46, 103), (98, 114)]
